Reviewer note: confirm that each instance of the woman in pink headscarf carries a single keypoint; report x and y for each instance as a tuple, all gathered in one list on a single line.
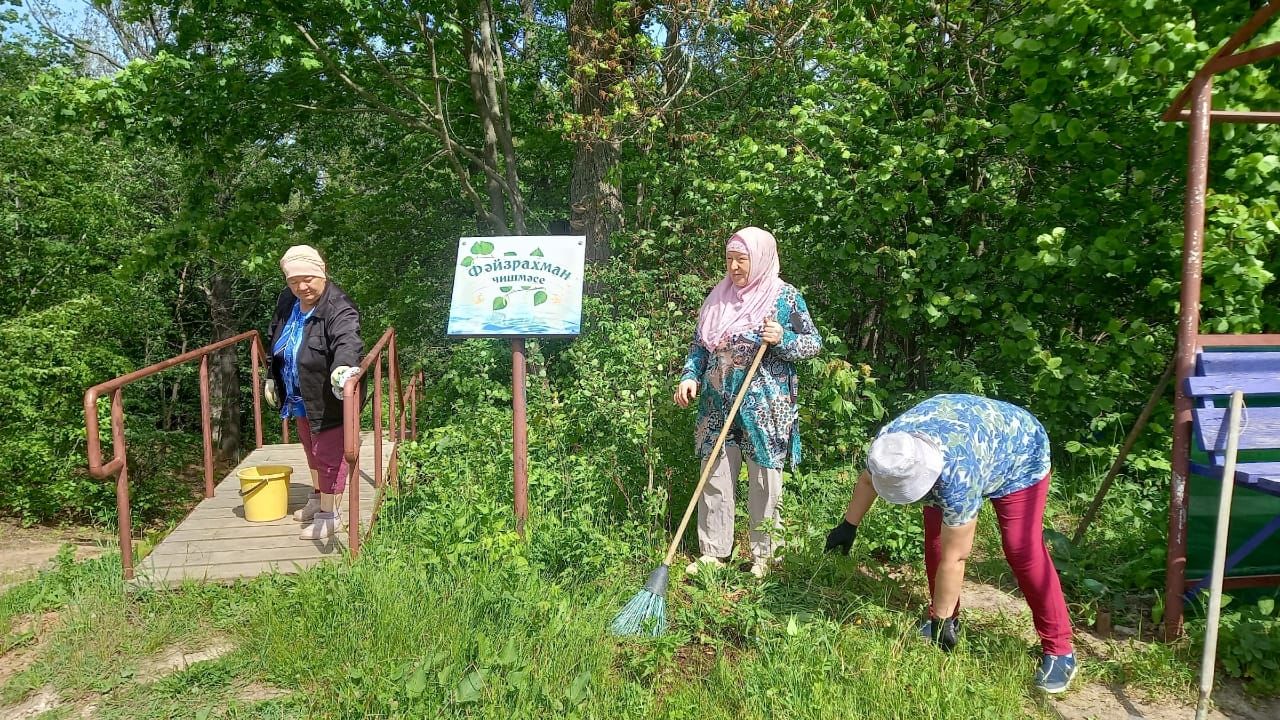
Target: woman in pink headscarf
[(749, 306)]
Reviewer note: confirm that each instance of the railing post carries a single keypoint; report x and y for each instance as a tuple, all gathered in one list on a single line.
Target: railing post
[(377, 422), (393, 370), (353, 507), (206, 425), (255, 351), (121, 451), (351, 450), (414, 391)]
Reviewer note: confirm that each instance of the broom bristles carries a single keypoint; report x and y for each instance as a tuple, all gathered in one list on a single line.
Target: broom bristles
[(645, 613)]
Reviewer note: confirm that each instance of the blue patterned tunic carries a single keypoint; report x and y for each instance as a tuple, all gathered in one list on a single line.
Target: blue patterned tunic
[(287, 349), (989, 449), (766, 423)]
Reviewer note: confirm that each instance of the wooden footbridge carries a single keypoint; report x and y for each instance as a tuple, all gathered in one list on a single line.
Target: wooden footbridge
[(215, 543)]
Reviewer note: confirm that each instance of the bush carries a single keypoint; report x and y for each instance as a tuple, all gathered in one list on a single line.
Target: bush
[(54, 356), (1248, 642)]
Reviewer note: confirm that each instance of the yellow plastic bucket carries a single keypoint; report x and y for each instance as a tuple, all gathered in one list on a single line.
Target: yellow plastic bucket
[(265, 491)]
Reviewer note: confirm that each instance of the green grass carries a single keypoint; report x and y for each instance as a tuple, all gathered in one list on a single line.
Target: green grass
[(383, 637), (391, 636), (446, 614)]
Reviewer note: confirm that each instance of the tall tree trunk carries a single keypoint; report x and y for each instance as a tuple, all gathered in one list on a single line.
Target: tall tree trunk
[(594, 197), (493, 189), (487, 75), (224, 375), (496, 89), (530, 19)]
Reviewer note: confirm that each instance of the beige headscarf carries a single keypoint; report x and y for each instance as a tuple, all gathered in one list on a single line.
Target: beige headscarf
[(302, 260)]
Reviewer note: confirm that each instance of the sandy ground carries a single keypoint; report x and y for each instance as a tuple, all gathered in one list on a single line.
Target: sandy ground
[(1095, 701), (24, 551)]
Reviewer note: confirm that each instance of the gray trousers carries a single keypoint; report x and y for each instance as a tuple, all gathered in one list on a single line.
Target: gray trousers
[(715, 507)]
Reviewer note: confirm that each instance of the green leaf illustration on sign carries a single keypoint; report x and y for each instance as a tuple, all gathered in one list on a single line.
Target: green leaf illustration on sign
[(499, 303), (509, 253), (537, 252), (505, 288), (539, 297), (466, 261), (483, 247)]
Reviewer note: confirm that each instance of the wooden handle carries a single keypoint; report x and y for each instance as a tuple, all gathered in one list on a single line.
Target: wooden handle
[(715, 453), (1217, 569)]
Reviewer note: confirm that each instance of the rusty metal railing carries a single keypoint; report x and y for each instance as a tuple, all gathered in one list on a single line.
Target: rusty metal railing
[(119, 463), (403, 425), (384, 349)]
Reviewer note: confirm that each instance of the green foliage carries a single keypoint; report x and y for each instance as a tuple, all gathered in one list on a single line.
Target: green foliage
[(895, 532), (42, 443), (71, 210), (1248, 642), (977, 204)]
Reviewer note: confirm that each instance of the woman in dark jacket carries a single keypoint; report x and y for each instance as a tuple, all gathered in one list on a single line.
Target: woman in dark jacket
[(315, 349)]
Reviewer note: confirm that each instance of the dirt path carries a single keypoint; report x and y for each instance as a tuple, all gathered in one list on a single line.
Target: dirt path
[(24, 551), (1091, 701), (37, 703), (1095, 701)]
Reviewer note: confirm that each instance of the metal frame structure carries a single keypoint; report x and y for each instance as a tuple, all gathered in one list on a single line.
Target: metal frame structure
[(1194, 105)]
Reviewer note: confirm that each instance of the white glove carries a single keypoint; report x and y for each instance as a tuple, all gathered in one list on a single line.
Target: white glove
[(269, 392), (339, 377)]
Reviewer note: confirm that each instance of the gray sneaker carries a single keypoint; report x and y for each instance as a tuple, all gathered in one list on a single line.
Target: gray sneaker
[(926, 628)]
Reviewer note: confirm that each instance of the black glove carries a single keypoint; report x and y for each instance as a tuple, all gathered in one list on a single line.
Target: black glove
[(841, 537), (943, 632)]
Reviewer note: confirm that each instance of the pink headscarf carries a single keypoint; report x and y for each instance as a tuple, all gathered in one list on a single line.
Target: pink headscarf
[(728, 309)]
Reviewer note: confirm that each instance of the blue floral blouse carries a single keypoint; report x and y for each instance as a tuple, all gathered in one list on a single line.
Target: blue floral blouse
[(766, 425), (989, 449), (286, 348)]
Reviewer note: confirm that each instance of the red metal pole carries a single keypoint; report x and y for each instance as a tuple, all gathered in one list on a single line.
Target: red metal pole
[(377, 423), (1188, 330), (351, 450), (353, 505), (206, 426), (413, 391), (122, 483), (393, 371), (256, 354), (520, 434)]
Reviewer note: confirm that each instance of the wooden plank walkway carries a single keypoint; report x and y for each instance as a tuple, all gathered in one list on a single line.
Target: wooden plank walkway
[(215, 542)]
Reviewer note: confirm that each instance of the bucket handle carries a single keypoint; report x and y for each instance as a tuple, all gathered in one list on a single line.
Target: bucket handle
[(254, 488)]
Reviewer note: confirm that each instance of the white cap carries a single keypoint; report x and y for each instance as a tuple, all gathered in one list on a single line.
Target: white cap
[(903, 466)]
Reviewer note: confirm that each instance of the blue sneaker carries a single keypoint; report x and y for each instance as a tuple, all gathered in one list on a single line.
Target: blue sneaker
[(1056, 672)]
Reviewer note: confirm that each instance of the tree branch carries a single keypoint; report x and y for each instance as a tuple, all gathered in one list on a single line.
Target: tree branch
[(42, 19)]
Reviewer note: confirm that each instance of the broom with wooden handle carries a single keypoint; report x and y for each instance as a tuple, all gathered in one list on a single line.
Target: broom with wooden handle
[(647, 610)]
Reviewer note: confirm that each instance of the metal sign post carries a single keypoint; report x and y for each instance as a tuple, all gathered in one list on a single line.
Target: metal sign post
[(516, 288), (520, 435)]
